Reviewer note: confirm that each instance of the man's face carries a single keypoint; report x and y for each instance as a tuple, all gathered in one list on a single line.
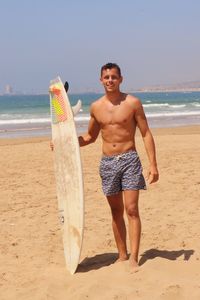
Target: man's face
[(111, 80)]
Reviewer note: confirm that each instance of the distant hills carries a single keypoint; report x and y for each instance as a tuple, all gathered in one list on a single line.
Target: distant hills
[(182, 87)]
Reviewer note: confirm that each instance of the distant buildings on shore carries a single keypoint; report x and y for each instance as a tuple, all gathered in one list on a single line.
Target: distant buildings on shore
[(8, 90), (193, 86)]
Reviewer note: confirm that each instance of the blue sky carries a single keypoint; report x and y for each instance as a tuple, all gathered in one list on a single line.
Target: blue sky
[(154, 42)]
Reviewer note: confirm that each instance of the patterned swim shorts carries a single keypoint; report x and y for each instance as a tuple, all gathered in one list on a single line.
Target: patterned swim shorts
[(121, 172)]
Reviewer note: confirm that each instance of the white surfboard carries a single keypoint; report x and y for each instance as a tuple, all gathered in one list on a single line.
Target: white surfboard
[(68, 173)]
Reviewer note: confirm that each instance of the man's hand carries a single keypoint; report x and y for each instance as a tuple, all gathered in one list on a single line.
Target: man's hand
[(153, 175), (51, 146)]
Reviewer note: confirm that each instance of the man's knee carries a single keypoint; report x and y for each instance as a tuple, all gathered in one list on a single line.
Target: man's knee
[(116, 206), (117, 212), (132, 211)]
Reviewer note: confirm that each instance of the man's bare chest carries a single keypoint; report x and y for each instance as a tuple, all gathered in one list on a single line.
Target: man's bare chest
[(116, 114)]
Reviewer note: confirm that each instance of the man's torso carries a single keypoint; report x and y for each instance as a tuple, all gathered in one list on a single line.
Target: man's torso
[(117, 124)]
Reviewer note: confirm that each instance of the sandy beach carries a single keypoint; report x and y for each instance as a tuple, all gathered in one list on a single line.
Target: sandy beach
[(32, 260)]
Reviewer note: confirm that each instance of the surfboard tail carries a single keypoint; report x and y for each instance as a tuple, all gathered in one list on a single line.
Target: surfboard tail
[(77, 107)]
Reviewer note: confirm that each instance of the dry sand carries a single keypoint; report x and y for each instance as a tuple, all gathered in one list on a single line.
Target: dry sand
[(32, 261)]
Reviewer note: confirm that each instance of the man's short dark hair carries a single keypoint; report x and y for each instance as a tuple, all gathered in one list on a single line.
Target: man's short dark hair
[(111, 66)]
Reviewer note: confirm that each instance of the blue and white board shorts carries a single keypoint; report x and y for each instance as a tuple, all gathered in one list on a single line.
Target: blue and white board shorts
[(121, 172)]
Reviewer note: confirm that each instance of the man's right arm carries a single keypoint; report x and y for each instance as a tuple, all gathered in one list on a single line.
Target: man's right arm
[(93, 131), (91, 135)]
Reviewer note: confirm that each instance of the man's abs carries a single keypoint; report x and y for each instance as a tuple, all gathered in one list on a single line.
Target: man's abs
[(112, 148)]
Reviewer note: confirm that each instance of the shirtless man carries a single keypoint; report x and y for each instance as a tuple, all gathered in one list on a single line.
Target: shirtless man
[(116, 115)]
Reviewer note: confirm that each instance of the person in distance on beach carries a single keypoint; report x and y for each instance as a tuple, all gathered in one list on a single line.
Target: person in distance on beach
[(116, 115)]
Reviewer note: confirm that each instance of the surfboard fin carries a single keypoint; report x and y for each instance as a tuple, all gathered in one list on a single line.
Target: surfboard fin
[(66, 86), (76, 108)]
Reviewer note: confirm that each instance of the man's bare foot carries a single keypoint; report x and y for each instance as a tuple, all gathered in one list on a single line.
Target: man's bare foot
[(133, 265), (121, 258)]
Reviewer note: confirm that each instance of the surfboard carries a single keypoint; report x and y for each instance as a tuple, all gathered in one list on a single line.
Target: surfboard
[(68, 172)]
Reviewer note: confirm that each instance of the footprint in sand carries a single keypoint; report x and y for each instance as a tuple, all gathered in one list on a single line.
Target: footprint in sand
[(172, 292)]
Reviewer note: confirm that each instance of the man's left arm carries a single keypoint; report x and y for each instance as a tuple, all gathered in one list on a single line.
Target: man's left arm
[(142, 124)]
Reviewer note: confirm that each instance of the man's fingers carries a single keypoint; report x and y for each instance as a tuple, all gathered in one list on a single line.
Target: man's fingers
[(51, 146), (152, 178)]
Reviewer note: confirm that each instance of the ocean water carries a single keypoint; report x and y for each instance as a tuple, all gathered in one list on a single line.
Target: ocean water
[(29, 115)]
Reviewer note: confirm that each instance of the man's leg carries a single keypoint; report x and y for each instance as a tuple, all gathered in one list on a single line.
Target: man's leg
[(131, 205), (118, 224)]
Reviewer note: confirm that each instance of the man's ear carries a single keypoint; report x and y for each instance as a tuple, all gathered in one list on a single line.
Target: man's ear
[(121, 79)]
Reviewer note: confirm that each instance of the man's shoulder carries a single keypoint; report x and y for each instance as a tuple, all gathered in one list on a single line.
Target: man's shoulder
[(94, 107), (133, 100), (97, 102)]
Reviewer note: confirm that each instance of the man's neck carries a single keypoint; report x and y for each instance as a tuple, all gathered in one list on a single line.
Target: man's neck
[(114, 97)]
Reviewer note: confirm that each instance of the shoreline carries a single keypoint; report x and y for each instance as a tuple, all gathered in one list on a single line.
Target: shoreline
[(45, 130), (174, 130), (30, 116)]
